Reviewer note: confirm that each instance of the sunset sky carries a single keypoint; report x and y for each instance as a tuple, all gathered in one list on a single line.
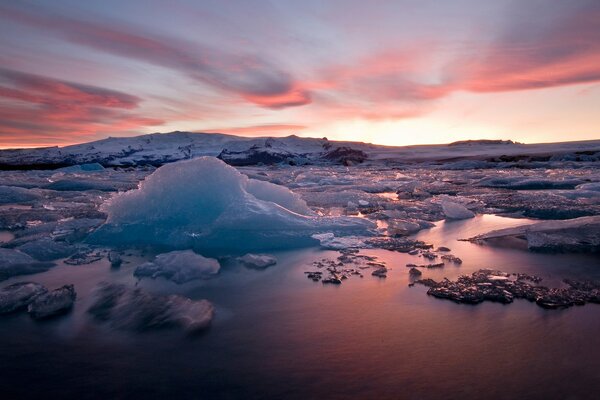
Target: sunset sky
[(388, 72)]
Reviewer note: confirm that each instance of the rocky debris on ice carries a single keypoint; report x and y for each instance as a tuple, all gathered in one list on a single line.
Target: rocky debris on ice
[(179, 266), (451, 258), (380, 272), (498, 286), (414, 272), (257, 155), (55, 302), (401, 245), (573, 235), (257, 261), (137, 310), (434, 265), (207, 205), (456, 211), (84, 256), (19, 295), (345, 155), (349, 263)]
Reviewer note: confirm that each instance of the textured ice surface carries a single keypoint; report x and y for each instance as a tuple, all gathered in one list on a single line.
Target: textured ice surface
[(137, 310), (18, 296), (46, 249), (11, 194), (205, 204), (456, 211), (14, 263), (329, 241), (579, 234), (257, 261), (81, 168), (179, 266), (55, 302)]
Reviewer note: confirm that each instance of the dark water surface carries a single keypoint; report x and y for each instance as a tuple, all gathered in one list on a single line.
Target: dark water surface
[(279, 335)]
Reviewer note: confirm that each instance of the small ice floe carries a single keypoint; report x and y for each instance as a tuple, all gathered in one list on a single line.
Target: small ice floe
[(329, 241), (16, 263), (257, 261), (115, 259), (179, 267), (19, 295), (456, 211), (55, 302), (137, 310)]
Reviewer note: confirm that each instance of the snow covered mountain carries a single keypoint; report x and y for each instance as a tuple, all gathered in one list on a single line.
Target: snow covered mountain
[(162, 148)]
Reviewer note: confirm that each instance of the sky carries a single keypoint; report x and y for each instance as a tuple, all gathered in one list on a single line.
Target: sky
[(388, 72)]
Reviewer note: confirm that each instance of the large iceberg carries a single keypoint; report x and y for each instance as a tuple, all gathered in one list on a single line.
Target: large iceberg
[(207, 205)]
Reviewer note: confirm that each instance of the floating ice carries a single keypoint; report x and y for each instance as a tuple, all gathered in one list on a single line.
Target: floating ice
[(14, 262), (81, 184), (179, 267), (18, 296), (573, 235), (257, 261), (82, 168), (46, 249), (137, 310), (456, 211), (207, 205), (329, 241), (49, 304)]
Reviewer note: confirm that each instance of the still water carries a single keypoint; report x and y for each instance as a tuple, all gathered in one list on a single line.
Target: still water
[(279, 335)]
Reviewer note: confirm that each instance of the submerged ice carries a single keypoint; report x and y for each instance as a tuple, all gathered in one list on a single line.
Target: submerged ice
[(209, 206)]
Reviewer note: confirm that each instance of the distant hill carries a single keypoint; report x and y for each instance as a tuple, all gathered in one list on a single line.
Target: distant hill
[(161, 148), (481, 142)]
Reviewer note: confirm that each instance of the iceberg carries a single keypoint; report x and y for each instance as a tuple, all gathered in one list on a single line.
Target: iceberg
[(209, 206)]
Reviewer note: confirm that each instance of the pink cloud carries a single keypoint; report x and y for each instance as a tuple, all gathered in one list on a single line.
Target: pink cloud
[(249, 76), (35, 106)]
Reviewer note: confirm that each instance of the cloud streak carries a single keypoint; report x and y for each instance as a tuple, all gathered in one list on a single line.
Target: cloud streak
[(32, 103), (252, 78)]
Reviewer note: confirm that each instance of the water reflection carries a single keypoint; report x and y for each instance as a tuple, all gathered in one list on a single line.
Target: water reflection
[(280, 335)]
